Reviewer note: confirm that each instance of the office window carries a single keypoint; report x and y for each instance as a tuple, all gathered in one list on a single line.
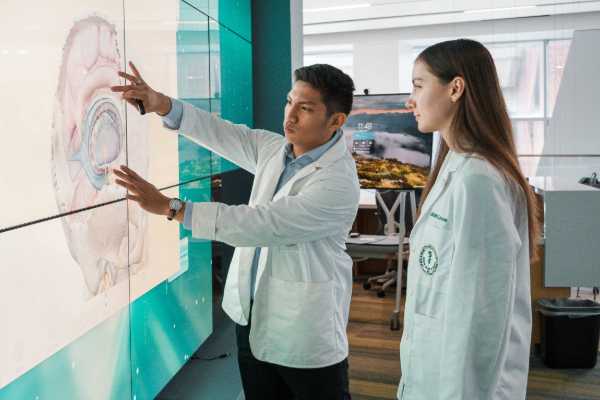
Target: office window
[(558, 50), (520, 69)]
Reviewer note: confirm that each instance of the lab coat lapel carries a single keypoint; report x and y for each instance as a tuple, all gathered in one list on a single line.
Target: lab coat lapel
[(285, 190), (453, 161), (269, 178), (265, 188), (336, 152)]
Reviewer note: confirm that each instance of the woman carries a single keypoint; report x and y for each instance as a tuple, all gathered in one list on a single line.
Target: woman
[(467, 320)]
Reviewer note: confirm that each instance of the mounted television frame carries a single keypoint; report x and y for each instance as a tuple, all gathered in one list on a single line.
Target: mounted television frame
[(383, 137)]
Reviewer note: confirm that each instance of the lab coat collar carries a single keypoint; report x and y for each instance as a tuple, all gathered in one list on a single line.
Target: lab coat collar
[(314, 154), (332, 155), (456, 159), (336, 151), (453, 162)]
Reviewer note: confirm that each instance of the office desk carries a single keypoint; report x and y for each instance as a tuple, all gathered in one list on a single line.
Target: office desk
[(376, 246), (572, 232), (367, 199)]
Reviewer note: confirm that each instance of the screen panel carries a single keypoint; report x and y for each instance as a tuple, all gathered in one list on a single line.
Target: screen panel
[(76, 278), (193, 85), (151, 30), (60, 128), (234, 14), (383, 137), (170, 322), (96, 366), (231, 89), (200, 5)]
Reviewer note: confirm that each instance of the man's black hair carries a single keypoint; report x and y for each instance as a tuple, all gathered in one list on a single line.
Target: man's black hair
[(334, 85)]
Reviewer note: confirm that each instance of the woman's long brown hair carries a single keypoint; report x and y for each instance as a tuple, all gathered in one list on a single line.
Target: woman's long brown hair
[(481, 124)]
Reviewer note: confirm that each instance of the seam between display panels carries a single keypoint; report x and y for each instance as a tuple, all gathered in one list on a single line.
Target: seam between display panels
[(212, 19), (38, 221), (132, 394), (210, 158)]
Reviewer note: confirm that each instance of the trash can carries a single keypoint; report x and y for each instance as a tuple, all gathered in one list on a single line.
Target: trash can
[(570, 329)]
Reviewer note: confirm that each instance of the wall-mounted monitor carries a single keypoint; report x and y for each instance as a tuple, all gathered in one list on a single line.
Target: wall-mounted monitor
[(389, 150)]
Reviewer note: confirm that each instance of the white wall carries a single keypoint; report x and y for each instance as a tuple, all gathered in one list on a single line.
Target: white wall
[(296, 21), (376, 67)]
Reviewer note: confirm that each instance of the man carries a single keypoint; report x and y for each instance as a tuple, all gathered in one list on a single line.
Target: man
[(290, 281)]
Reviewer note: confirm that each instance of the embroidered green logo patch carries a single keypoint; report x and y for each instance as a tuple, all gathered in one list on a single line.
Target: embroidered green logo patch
[(428, 259)]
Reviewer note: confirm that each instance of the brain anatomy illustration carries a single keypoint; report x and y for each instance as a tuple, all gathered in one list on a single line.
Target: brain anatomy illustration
[(89, 140)]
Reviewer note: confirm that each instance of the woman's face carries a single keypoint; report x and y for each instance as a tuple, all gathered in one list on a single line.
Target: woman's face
[(431, 101)]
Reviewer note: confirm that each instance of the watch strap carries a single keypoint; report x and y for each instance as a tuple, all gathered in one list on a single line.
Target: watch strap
[(171, 215)]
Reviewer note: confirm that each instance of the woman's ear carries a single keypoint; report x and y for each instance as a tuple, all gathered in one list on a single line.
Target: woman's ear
[(458, 88)]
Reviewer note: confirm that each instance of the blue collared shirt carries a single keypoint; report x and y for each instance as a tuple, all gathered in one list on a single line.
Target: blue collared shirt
[(293, 165)]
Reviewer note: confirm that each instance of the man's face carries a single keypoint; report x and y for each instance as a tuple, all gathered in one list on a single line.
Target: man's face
[(306, 122)]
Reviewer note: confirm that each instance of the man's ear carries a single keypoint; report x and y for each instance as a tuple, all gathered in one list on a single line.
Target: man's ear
[(458, 88), (336, 121)]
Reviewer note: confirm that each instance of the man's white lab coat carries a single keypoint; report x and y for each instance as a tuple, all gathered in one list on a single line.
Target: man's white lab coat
[(304, 280), (467, 320)]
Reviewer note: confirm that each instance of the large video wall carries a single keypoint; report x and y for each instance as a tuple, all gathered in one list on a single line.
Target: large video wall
[(99, 299)]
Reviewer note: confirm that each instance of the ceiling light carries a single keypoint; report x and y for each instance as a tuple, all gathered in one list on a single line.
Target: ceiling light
[(499, 9), (337, 8)]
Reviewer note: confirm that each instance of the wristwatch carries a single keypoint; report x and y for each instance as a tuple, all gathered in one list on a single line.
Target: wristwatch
[(174, 206)]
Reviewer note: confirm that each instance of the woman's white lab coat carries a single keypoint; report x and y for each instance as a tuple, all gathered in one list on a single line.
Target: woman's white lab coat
[(467, 320)]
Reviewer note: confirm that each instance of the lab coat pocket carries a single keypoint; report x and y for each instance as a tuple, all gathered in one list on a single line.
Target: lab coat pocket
[(289, 263), (429, 303), (301, 321), (423, 380)]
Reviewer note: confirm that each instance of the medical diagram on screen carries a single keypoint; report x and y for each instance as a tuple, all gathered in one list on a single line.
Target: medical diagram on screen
[(88, 142)]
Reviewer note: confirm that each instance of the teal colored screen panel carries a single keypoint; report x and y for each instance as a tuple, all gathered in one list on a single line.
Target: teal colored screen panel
[(170, 322), (198, 192), (234, 56), (194, 160), (234, 14), (193, 77), (96, 366), (231, 56), (200, 5)]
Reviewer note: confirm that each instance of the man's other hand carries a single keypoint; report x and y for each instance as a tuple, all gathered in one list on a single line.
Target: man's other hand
[(153, 101), (142, 192)]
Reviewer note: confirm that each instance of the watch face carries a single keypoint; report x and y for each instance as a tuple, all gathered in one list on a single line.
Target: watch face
[(175, 204)]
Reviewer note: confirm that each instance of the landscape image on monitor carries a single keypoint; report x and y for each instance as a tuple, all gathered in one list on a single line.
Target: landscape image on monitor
[(382, 135)]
